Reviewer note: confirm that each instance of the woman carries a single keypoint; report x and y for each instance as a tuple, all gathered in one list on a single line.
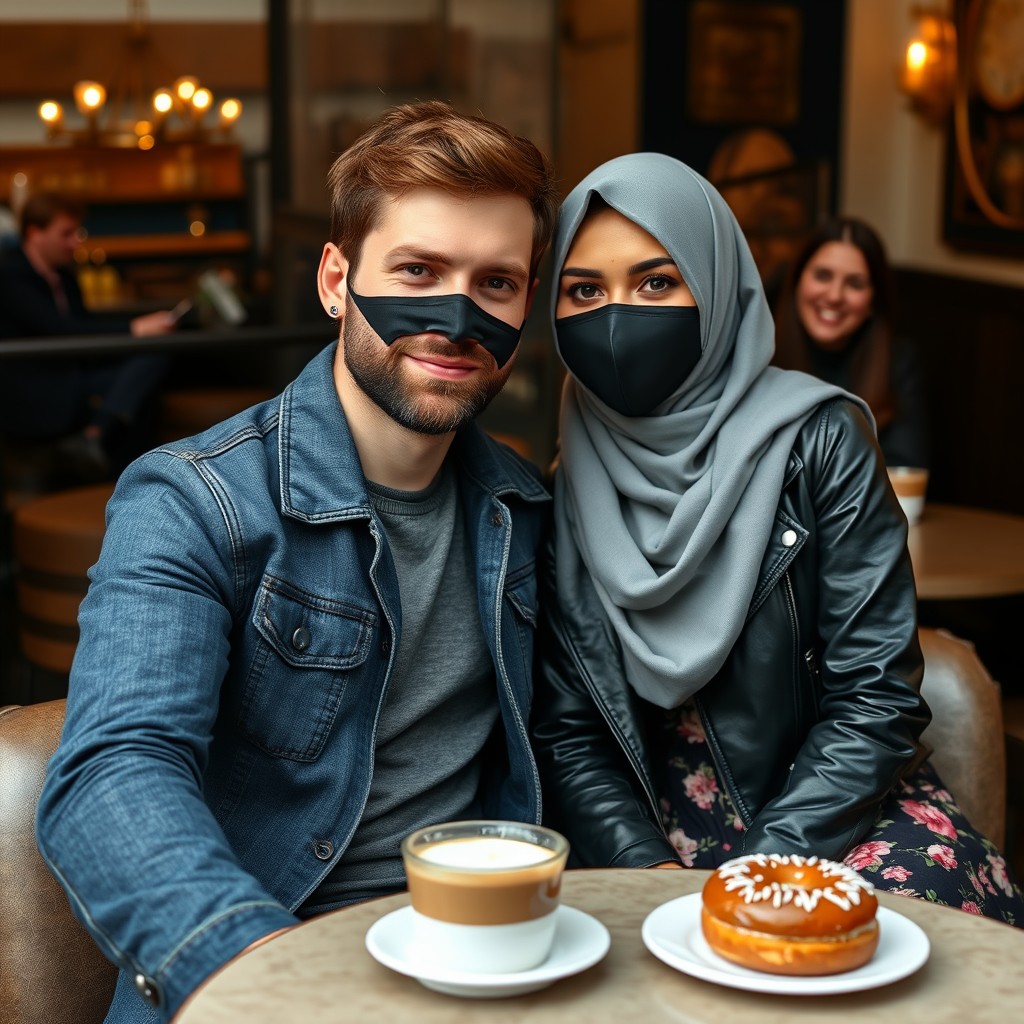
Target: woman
[(729, 657), (834, 320)]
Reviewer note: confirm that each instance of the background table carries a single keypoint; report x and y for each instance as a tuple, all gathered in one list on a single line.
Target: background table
[(967, 552), (321, 971)]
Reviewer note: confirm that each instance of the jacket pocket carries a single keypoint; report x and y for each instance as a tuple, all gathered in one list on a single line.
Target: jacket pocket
[(308, 647)]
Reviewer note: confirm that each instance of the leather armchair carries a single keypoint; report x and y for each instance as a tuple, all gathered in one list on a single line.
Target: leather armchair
[(51, 972), (966, 731)]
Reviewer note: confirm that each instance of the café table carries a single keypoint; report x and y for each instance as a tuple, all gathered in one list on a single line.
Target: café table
[(961, 552), (321, 971)]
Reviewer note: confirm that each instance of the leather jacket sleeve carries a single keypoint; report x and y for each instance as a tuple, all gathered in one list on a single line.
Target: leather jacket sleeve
[(870, 712)]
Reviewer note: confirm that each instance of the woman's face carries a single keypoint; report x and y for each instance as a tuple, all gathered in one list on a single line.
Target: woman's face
[(614, 260), (834, 294)]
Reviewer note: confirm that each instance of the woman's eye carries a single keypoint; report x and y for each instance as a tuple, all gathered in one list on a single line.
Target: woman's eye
[(659, 283), (583, 290)]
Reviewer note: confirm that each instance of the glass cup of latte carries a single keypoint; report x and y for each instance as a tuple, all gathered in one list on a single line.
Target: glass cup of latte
[(484, 894), (910, 484)]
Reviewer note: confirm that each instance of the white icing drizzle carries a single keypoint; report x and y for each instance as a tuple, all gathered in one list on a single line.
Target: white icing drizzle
[(741, 875)]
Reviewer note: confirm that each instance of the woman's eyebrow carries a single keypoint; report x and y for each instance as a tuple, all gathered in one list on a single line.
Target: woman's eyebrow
[(658, 261), (580, 272)]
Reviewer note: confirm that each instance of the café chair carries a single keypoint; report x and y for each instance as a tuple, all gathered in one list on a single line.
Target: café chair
[(51, 972), (56, 539), (966, 731)]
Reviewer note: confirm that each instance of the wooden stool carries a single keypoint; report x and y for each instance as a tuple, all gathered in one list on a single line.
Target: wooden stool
[(56, 541), (192, 410)]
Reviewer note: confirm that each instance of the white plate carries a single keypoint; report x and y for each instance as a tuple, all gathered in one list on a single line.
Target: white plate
[(673, 934), (580, 942)]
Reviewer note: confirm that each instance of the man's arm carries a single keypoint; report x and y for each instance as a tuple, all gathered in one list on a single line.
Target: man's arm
[(123, 822)]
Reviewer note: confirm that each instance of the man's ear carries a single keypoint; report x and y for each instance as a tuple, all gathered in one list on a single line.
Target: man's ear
[(332, 279)]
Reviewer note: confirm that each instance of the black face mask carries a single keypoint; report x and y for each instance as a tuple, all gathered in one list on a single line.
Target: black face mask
[(457, 317), (631, 357)]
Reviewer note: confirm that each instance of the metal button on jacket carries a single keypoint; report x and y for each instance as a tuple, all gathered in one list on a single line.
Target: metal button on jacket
[(323, 849), (147, 988), (300, 638), (789, 538), (496, 519)]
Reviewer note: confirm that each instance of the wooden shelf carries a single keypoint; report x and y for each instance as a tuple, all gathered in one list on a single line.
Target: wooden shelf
[(121, 247)]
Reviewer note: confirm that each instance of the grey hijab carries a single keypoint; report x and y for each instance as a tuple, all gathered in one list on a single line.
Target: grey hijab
[(671, 513)]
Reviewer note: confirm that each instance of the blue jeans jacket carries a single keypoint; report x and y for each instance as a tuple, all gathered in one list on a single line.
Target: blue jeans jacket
[(236, 645)]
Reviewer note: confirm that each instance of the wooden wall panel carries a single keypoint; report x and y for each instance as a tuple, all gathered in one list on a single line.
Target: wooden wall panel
[(46, 59)]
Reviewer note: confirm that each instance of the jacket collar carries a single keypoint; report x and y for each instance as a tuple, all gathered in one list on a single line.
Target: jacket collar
[(321, 476)]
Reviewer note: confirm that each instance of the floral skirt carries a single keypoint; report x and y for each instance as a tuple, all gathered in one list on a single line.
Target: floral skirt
[(921, 844)]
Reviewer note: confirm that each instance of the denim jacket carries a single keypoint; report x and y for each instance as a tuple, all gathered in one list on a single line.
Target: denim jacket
[(236, 645)]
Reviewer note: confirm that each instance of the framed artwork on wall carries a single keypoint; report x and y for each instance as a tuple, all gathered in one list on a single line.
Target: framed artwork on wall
[(984, 193)]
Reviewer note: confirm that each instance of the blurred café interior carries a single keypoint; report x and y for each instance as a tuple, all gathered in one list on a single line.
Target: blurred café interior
[(196, 134)]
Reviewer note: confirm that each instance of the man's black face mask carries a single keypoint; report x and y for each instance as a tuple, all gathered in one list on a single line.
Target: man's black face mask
[(456, 317), (631, 357)]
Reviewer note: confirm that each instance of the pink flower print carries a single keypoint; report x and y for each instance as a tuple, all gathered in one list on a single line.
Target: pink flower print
[(976, 882), (867, 855), (701, 789), (931, 817), (902, 890), (970, 907), (897, 873), (942, 855), (726, 847), (944, 796), (684, 846), (691, 729), (983, 876), (999, 875)]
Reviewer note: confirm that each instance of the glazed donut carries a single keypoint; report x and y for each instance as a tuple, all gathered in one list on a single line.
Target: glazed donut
[(790, 914)]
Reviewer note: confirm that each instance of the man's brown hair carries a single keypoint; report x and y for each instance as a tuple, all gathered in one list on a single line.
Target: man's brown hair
[(431, 145), (41, 208)]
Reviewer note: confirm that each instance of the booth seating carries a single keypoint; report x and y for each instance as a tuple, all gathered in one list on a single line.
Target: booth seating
[(191, 410), (56, 539), (966, 731), (50, 970)]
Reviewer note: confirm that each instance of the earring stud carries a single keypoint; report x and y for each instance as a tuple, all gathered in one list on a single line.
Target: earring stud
[(333, 310)]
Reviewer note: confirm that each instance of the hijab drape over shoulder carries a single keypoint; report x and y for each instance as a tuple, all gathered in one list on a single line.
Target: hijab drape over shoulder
[(671, 512)]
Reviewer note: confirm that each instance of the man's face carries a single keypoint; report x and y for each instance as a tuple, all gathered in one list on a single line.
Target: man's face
[(55, 244), (431, 243)]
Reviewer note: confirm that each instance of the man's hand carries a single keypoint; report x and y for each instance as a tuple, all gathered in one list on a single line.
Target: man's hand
[(161, 322)]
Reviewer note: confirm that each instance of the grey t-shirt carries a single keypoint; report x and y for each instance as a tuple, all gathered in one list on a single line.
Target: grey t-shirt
[(441, 703)]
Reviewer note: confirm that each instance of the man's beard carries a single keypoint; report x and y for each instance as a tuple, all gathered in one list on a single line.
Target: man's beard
[(425, 405)]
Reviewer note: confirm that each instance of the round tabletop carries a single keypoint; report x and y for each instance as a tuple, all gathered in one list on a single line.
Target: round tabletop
[(322, 971), (967, 552)]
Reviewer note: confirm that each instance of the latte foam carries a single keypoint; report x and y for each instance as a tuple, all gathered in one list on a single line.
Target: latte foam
[(484, 852)]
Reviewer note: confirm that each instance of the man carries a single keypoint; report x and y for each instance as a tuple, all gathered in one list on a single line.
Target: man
[(313, 633), (87, 402)]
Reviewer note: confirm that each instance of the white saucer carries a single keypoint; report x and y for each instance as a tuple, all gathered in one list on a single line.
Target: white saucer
[(673, 934), (580, 942)]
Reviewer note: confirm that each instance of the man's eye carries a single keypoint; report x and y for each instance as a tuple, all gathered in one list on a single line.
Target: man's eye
[(498, 283), (415, 270)]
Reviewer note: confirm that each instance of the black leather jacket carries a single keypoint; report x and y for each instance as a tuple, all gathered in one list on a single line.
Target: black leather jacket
[(816, 712)]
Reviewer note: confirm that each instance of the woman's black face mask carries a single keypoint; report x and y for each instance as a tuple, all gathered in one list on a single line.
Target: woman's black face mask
[(631, 357)]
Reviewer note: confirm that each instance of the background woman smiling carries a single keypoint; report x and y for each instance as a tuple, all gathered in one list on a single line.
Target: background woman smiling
[(835, 320)]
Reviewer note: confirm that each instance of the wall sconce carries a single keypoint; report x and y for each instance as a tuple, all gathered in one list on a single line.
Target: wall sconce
[(928, 74)]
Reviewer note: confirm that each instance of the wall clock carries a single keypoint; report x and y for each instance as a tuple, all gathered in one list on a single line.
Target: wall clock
[(988, 126), (997, 54)]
